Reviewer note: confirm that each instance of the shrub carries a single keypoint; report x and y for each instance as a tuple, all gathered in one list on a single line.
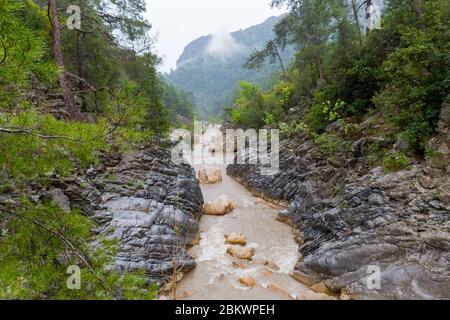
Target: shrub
[(395, 161), (44, 145), (42, 242), (293, 128), (328, 144)]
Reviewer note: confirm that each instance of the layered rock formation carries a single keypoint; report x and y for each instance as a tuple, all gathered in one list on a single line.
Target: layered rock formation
[(355, 221), (147, 203)]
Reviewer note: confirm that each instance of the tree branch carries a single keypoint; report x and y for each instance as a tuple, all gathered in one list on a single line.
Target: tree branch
[(31, 133), (5, 52), (79, 253), (82, 80)]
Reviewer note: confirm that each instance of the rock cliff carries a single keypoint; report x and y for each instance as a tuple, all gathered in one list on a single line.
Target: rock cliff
[(147, 203), (354, 220)]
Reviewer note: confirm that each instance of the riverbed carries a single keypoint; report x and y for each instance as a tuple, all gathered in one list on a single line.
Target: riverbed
[(217, 274)]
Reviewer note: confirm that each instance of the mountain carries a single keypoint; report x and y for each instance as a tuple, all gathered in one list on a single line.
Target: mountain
[(211, 66)]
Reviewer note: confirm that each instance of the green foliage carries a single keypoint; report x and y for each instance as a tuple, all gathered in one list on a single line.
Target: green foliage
[(401, 70), (254, 108), (113, 73), (213, 76), (40, 242), (21, 49), (376, 154), (180, 104), (395, 161), (65, 145), (293, 128), (416, 74), (328, 144), (249, 107), (322, 113)]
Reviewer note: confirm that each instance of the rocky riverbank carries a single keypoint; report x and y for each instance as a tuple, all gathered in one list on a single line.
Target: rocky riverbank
[(143, 200), (353, 217)]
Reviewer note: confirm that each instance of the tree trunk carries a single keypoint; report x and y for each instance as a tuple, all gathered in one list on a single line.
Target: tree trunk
[(355, 13), (69, 100), (417, 4), (285, 77), (321, 82), (80, 59)]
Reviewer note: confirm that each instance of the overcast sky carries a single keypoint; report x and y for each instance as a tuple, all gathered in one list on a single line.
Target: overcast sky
[(178, 22)]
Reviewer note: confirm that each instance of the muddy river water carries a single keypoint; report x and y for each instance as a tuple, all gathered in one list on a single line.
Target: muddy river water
[(217, 274)]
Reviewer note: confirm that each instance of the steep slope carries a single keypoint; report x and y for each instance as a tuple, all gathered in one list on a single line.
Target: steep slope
[(211, 66), (355, 220)]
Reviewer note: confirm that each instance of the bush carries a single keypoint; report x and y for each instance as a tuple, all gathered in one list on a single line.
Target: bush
[(395, 161), (254, 108), (44, 145), (293, 128), (328, 144)]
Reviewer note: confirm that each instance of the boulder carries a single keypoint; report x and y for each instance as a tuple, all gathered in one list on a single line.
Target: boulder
[(59, 198), (208, 175), (241, 252), (248, 281), (321, 288), (239, 264), (219, 207), (235, 238)]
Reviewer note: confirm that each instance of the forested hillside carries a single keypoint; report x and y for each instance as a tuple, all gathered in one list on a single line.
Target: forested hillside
[(344, 71), (211, 65)]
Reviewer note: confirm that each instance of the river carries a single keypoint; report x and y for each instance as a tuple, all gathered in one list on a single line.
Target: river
[(217, 274)]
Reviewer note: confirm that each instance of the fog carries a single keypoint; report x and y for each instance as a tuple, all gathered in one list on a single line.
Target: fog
[(223, 46), (178, 22)]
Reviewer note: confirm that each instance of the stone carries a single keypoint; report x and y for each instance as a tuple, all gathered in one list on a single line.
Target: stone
[(209, 175), (91, 172), (376, 199), (267, 273), (219, 207), (272, 266), (302, 278), (355, 218), (187, 294), (59, 198), (235, 238), (401, 145), (279, 290), (241, 252), (427, 182), (248, 281), (321, 288), (238, 264), (147, 203)]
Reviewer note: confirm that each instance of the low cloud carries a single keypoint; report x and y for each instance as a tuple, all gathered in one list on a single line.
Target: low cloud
[(223, 46)]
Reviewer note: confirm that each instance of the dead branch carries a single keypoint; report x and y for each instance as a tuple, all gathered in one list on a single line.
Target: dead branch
[(82, 80), (31, 133)]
